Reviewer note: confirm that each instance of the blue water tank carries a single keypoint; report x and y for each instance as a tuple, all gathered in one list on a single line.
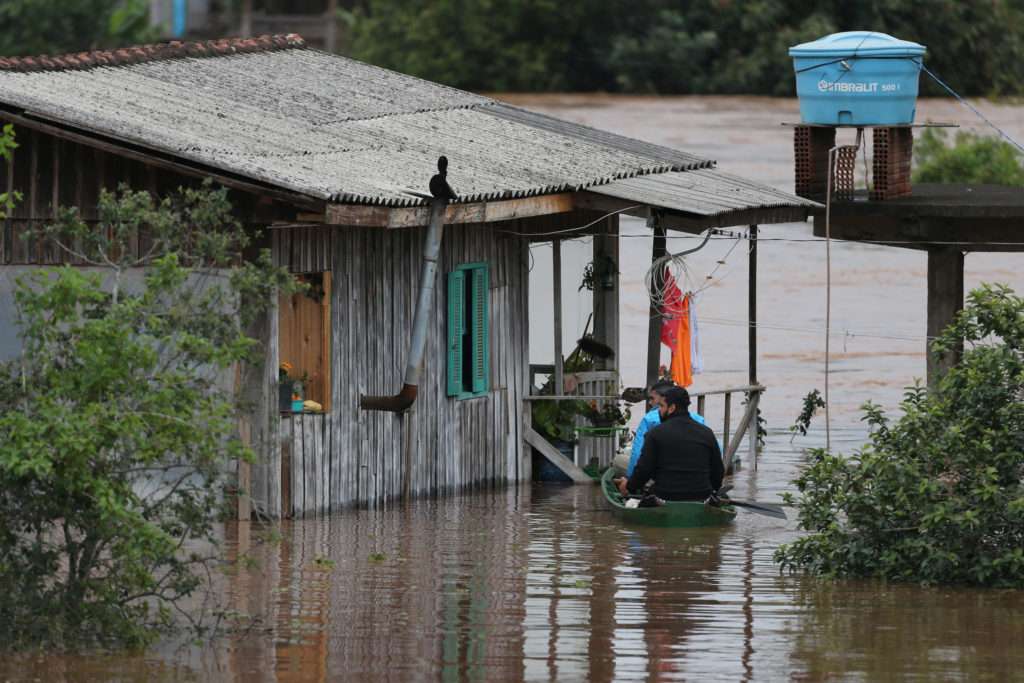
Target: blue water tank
[(857, 78)]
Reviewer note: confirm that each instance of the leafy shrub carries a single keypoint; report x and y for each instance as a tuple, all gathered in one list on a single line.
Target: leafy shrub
[(971, 159), (936, 497), (115, 427)]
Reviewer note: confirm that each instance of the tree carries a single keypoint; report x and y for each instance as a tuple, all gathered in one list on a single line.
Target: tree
[(971, 159), (660, 46), (116, 427), (936, 497), (32, 27)]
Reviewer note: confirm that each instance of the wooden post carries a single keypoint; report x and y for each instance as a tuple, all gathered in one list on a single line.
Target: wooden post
[(725, 424), (654, 325), (945, 299), (556, 280), (752, 340), (606, 301)]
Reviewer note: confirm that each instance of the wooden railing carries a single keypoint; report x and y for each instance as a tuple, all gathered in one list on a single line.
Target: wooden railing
[(593, 386), (747, 423)]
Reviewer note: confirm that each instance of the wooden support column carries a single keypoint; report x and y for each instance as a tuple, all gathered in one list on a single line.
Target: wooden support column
[(606, 301), (945, 299), (752, 339), (654, 324), (556, 281)]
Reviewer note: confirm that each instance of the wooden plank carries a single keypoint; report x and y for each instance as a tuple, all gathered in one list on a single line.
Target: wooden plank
[(730, 451), (725, 423), (481, 212), (159, 159), (293, 435), (527, 207), (557, 459)]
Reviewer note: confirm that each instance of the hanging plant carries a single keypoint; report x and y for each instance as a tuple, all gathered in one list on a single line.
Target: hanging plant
[(600, 277)]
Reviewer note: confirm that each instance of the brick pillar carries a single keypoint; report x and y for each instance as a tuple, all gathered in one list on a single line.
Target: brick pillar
[(810, 146), (893, 148)]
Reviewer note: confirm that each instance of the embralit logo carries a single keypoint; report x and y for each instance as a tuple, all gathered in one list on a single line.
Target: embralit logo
[(846, 86)]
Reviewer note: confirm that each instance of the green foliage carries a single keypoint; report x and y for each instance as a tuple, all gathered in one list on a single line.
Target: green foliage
[(812, 401), (115, 429), (971, 159), (936, 497), (32, 27), (659, 46), (554, 419), (7, 144)]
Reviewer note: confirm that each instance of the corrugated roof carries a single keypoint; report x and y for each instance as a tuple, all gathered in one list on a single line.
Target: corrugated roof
[(329, 127), (701, 192)]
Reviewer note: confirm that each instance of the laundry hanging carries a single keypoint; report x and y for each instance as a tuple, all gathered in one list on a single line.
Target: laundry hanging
[(675, 331)]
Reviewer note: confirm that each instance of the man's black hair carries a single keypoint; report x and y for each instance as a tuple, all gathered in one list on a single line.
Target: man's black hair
[(678, 397), (662, 386)]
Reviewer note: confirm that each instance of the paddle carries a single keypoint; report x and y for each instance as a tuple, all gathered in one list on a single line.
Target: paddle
[(760, 508)]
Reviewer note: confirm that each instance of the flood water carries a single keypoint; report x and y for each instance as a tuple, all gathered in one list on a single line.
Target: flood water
[(540, 582)]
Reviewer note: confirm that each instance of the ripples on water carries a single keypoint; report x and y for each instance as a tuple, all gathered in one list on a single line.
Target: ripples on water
[(542, 583)]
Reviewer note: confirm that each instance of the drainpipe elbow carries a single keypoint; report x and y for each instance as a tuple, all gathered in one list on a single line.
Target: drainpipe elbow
[(399, 403)]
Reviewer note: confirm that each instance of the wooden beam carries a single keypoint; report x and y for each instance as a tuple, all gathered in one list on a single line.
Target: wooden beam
[(571, 469), (752, 307), (945, 299), (694, 223), (556, 283), (481, 212), (654, 321)]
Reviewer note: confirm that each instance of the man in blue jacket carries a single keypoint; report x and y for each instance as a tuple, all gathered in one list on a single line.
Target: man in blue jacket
[(680, 454), (651, 419)]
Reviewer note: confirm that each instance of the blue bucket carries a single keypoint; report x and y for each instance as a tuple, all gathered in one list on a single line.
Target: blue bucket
[(857, 78), (545, 471)]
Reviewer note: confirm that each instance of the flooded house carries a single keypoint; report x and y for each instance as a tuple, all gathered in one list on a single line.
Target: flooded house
[(414, 330)]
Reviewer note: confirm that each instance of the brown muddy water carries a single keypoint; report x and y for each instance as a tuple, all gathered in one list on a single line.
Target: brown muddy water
[(541, 583)]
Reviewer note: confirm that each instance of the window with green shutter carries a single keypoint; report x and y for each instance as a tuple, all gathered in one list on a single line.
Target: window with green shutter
[(467, 331)]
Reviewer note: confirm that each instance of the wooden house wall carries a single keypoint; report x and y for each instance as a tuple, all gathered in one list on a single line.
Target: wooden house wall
[(52, 172), (353, 457)]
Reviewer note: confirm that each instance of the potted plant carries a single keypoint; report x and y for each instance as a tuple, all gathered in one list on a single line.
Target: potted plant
[(554, 420), (606, 420), (291, 387)]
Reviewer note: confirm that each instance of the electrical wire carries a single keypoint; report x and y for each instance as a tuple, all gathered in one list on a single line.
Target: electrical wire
[(994, 126)]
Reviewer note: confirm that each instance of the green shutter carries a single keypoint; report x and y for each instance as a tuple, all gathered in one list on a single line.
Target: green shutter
[(456, 294), (479, 330)]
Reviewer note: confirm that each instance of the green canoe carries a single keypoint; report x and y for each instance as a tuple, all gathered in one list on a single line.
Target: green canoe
[(675, 514)]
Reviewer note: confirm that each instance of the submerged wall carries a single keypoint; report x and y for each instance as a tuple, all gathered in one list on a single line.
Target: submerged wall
[(350, 457)]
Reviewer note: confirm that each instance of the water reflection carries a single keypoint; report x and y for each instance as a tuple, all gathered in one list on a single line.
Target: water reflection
[(542, 583)]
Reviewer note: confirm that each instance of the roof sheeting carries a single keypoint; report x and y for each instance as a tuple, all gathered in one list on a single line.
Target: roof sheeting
[(702, 192), (337, 129)]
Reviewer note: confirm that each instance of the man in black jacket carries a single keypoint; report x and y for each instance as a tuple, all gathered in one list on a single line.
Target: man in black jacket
[(680, 454)]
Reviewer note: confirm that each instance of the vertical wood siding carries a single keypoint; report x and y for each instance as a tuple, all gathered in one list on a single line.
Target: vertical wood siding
[(349, 457)]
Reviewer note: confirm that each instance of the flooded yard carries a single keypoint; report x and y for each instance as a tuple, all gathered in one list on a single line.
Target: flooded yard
[(542, 583)]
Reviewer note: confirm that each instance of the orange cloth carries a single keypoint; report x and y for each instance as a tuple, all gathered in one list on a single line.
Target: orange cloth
[(675, 331), (681, 365)]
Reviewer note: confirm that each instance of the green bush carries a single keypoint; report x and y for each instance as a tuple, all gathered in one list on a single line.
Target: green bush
[(116, 430), (936, 497), (32, 27), (971, 159)]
